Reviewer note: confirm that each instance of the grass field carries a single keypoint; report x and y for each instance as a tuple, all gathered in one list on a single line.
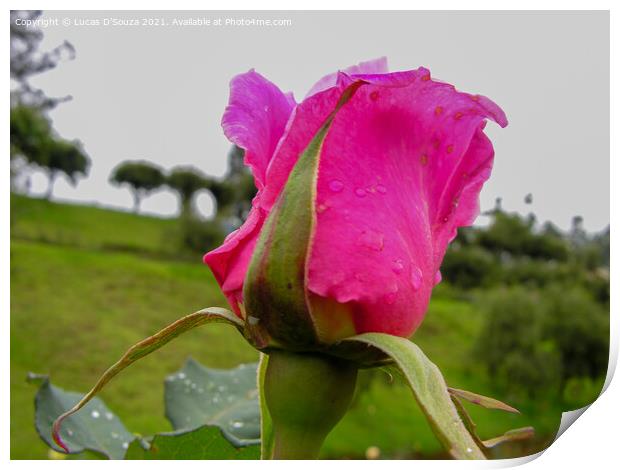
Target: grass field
[(85, 285)]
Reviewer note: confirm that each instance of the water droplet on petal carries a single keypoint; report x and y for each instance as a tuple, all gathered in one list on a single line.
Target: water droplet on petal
[(321, 208), (371, 239), (336, 186), (125, 445), (181, 375), (416, 278), (109, 416), (360, 192), (390, 297), (469, 450), (381, 189), (253, 320), (70, 432), (94, 414), (437, 278), (114, 435), (266, 108), (398, 266)]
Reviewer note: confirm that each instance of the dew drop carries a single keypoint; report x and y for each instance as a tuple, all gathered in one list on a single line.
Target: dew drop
[(336, 186), (381, 189), (253, 320), (236, 424), (194, 386), (321, 208), (70, 432), (125, 445), (360, 192), (398, 266), (416, 278), (390, 297), (187, 382), (221, 388), (201, 390), (371, 239), (469, 450), (94, 414), (114, 435), (266, 108), (181, 375), (109, 416)]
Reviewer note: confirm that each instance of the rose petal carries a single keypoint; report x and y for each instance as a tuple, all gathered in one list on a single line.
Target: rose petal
[(375, 66), (255, 119), (400, 170), (304, 123), (229, 262)]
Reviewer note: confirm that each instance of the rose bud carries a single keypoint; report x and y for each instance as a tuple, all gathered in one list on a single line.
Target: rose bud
[(361, 187)]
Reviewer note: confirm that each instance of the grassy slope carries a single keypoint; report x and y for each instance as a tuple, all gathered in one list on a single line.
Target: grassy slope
[(74, 310), (89, 227)]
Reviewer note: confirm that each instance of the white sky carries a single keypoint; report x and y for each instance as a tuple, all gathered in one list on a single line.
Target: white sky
[(159, 92)]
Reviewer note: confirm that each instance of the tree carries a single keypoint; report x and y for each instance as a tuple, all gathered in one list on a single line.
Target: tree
[(64, 157), (141, 176), (27, 60), (30, 129), (186, 181), (32, 139)]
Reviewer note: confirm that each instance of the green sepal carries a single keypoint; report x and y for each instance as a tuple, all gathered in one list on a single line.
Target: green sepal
[(274, 290), (430, 390)]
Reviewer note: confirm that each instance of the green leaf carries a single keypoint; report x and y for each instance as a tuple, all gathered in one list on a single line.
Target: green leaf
[(94, 429), (430, 391), (203, 443), (481, 400), (145, 347), (266, 426), (513, 435), (509, 436), (198, 395)]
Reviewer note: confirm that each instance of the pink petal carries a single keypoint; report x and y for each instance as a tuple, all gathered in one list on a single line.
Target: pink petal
[(375, 66), (255, 119), (230, 261), (400, 170), (304, 123)]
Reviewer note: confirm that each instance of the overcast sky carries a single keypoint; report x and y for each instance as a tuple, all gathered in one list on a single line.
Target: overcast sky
[(159, 92)]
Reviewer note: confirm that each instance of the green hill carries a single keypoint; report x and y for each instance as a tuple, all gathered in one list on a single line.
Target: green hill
[(87, 282)]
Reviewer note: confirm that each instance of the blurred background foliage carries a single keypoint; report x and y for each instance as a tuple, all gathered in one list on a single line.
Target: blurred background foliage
[(522, 313)]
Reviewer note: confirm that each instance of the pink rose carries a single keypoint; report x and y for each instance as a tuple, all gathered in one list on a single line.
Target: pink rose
[(399, 170)]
